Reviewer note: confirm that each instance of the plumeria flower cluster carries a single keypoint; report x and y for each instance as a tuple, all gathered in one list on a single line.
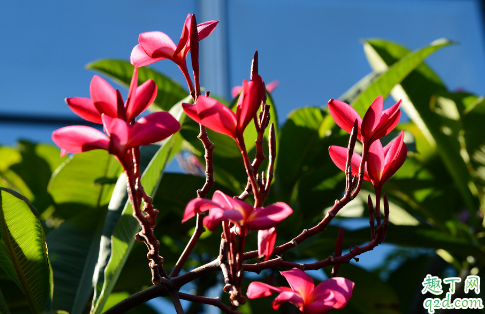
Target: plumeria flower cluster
[(377, 164), (244, 217), (124, 134), (156, 46)]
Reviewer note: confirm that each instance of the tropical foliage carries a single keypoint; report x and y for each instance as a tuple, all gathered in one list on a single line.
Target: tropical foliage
[(67, 229)]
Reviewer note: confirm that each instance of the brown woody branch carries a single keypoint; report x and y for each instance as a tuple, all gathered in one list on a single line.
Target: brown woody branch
[(205, 300), (176, 302), (331, 260), (339, 204), (199, 230), (147, 222), (202, 193), (371, 216)]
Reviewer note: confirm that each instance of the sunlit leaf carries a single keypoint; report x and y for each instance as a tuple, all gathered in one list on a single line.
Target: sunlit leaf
[(23, 249), (73, 186)]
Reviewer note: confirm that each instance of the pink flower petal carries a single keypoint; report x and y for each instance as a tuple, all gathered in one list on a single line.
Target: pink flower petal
[(395, 157), (212, 114), (84, 108), (217, 215), (389, 120), (300, 282), (194, 52), (258, 290), (227, 202), (139, 57), (196, 206), (266, 241), (268, 217), (372, 118), (375, 162), (152, 128), (339, 157), (341, 288), (119, 133), (235, 91), (206, 28), (271, 86), (320, 306), (157, 45), (184, 37), (249, 101), (287, 296), (107, 120), (344, 115), (78, 138), (104, 97), (392, 149), (145, 95)]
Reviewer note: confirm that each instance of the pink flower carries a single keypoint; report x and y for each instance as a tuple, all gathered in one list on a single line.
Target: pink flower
[(106, 100), (381, 164), (376, 123), (330, 294), (223, 207), (216, 116), (122, 135), (156, 46), (269, 87)]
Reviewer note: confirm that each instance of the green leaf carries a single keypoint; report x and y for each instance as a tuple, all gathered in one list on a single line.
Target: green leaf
[(474, 141), (39, 161), (3, 305), (23, 249), (392, 74), (418, 190), (115, 210), (28, 169), (9, 178), (124, 232), (73, 249), (169, 91), (319, 189), (370, 293), (81, 189), (73, 186), (407, 280), (299, 144), (358, 88), (13, 295), (418, 91)]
